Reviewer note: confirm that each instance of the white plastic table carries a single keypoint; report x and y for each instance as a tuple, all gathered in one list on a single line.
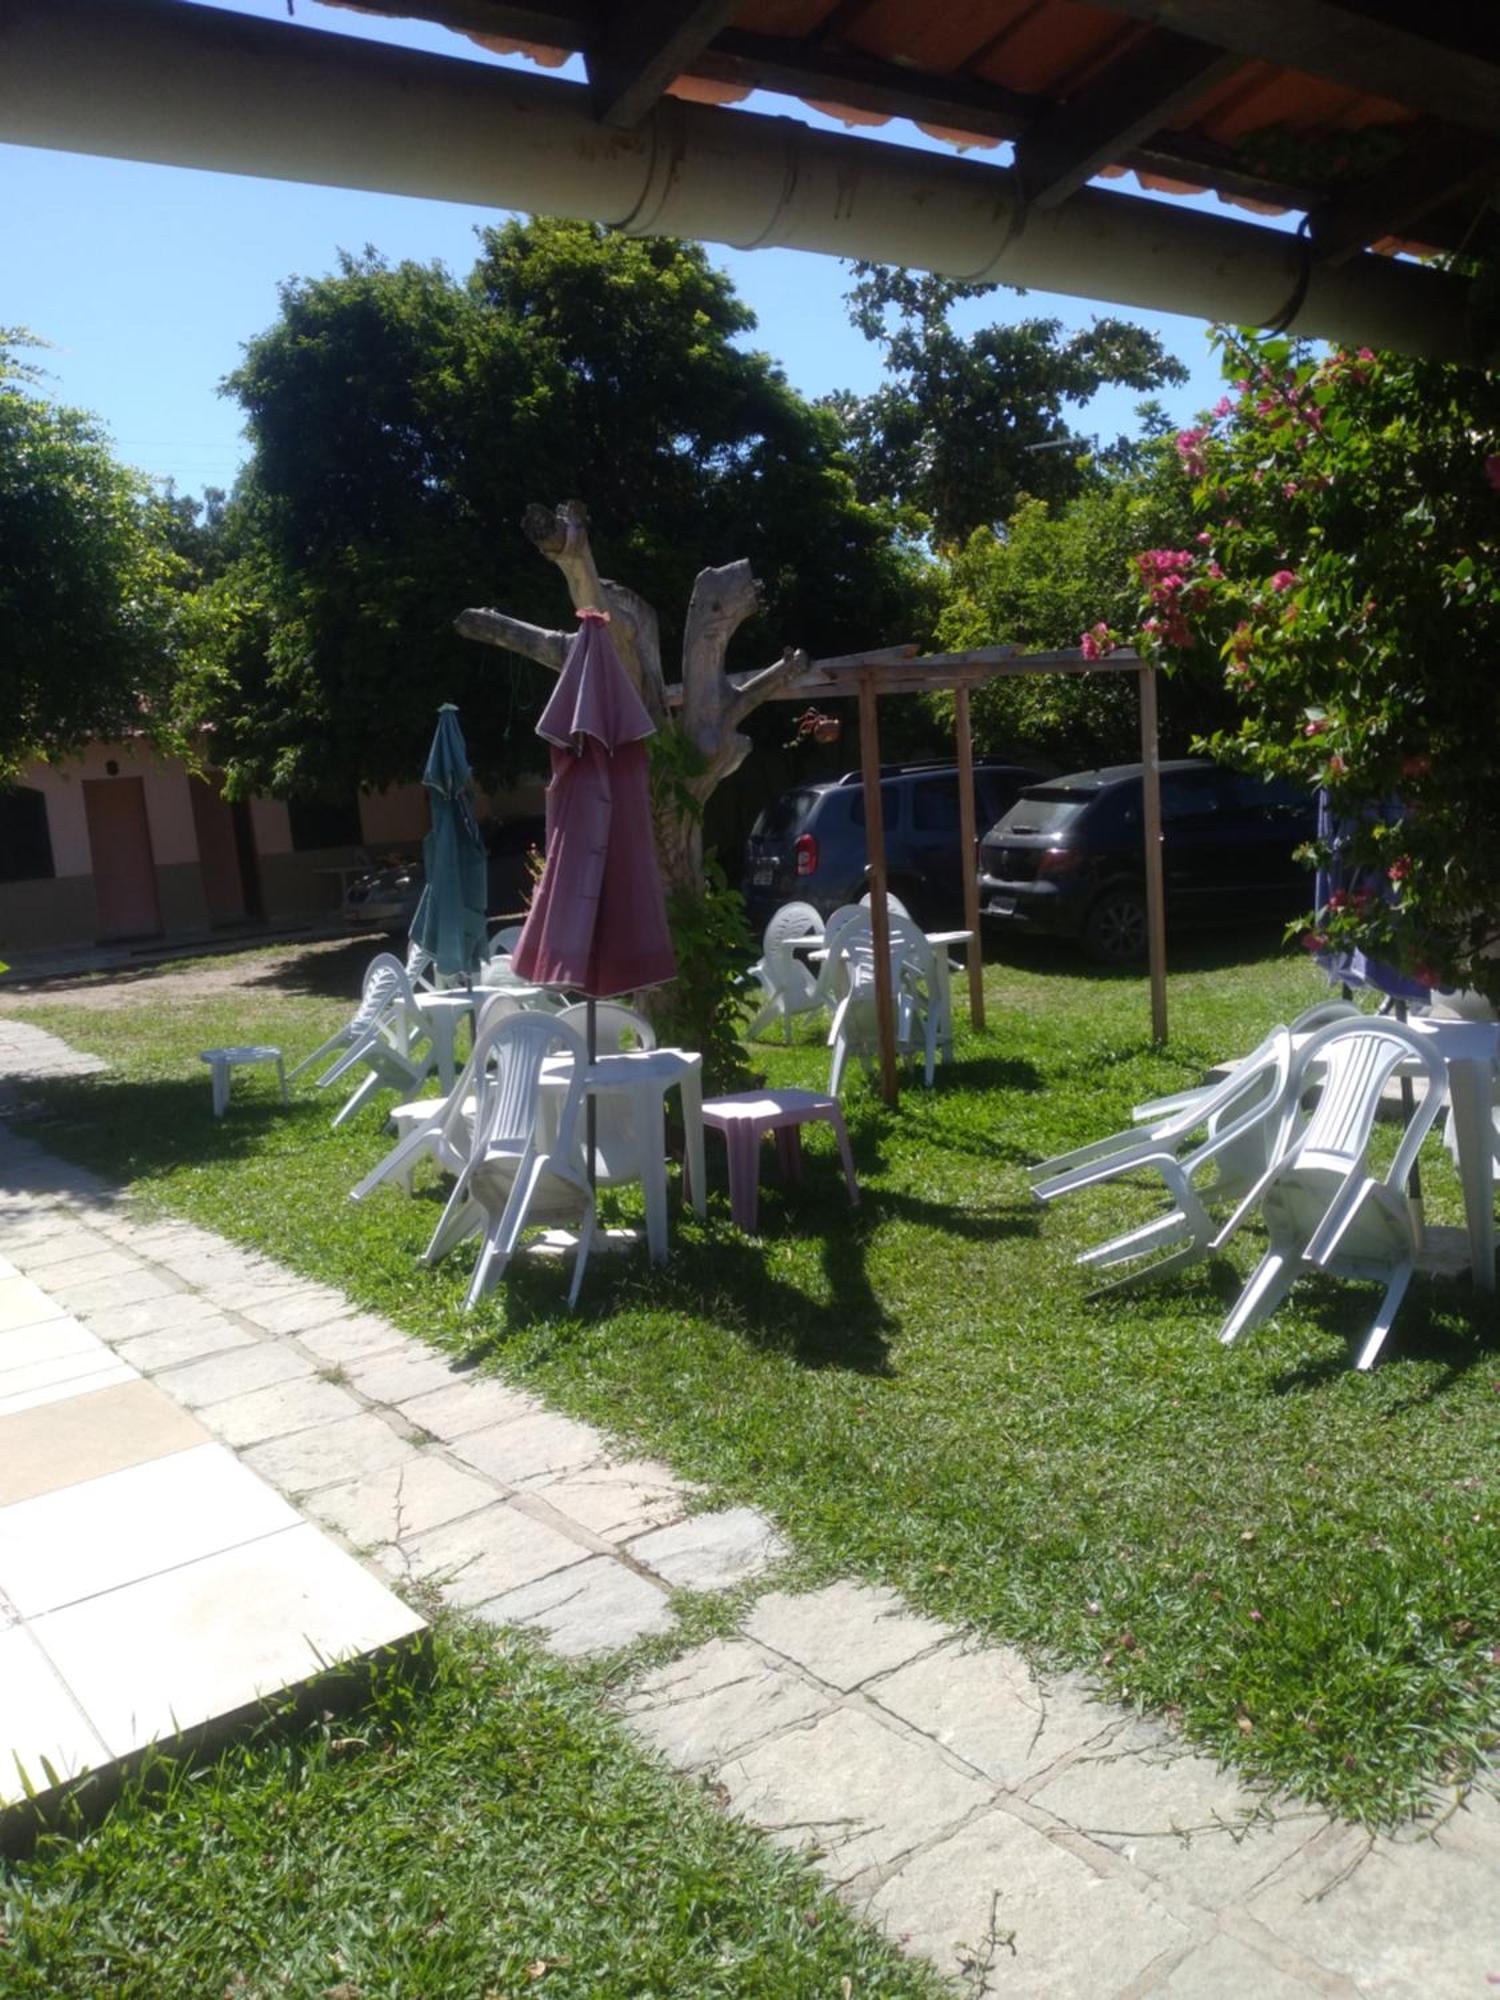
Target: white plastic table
[(222, 1061), (442, 1012), (942, 981), (647, 1075), (1470, 1052)]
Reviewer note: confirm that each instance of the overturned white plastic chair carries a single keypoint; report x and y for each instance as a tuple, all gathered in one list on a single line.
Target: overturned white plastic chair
[(511, 1180), (893, 903), (1321, 1015), (788, 983), (387, 1037), (1323, 1208), (1228, 1135)]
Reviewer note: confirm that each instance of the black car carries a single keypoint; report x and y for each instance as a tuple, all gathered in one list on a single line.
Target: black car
[(1067, 859), (810, 844)]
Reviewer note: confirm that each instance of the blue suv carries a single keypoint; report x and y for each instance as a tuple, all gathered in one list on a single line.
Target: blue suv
[(810, 844)]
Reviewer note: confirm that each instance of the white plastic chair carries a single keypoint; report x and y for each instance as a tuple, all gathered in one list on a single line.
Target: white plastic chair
[(511, 1180), (893, 903), (855, 1021), (1235, 1130), (436, 1127), (386, 1035), (787, 982), (1323, 1208), (616, 1027), (503, 942)]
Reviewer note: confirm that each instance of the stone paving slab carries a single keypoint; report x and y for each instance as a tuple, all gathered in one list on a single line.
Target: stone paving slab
[(986, 1705), (710, 1551), (1017, 1913), (590, 1607), (846, 1634), (849, 1792), (1176, 1816), (701, 1710)]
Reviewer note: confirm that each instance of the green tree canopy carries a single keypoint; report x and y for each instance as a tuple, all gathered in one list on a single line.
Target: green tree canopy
[(1347, 570), (1055, 571), (400, 421), (88, 600), (968, 424)]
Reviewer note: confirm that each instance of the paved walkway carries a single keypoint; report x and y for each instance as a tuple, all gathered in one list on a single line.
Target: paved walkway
[(1025, 1836)]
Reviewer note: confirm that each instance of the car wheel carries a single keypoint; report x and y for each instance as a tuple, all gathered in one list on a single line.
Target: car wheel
[(1115, 933)]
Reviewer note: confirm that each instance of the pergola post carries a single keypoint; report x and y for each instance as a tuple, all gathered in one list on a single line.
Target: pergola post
[(1156, 908), (968, 840), (880, 916)]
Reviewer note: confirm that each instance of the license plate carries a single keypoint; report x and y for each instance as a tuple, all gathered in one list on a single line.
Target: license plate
[(1001, 906), (765, 875)]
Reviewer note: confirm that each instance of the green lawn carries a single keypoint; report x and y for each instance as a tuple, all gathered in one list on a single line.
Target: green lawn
[(479, 1831), (1297, 1562)]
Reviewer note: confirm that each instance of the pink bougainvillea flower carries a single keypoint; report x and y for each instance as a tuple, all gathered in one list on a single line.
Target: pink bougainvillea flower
[(1416, 767), (1339, 900), (1336, 766), (1492, 470), (1223, 407), (1316, 726), (1314, 941), (1284, 579), (1097, 641), (1400, 868)]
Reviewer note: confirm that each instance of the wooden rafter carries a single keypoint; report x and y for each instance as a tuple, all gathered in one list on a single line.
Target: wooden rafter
[(1438, 167), (644, 49), (1364, 50), (1159, 75)]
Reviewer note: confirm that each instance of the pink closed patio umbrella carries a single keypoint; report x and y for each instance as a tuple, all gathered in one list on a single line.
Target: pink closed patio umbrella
[(598, 920)]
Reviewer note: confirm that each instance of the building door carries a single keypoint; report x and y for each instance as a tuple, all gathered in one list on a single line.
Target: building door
[(218, 853), (124, 871)]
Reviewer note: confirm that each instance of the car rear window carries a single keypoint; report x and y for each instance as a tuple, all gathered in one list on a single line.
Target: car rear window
[(784, 816), (1047, 809)]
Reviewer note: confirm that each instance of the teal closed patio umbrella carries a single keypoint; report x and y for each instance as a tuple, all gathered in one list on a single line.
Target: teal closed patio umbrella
[(450, 919)]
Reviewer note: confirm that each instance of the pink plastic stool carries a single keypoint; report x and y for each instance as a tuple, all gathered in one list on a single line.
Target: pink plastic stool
[(746, 1117)]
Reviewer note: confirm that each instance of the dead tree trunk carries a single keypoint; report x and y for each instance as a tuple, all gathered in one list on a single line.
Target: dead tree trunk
[(706, 707)]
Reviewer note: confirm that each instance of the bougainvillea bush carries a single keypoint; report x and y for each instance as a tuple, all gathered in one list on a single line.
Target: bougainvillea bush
[(1347, 575)]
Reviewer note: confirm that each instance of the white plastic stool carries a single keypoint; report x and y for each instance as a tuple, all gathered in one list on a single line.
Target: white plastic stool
[(221, 1061)]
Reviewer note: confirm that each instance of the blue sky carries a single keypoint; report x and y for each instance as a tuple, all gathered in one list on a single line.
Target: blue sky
[(148, 280)]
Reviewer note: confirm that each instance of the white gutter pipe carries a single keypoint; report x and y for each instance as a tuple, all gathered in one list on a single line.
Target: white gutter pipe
[(186, 85)]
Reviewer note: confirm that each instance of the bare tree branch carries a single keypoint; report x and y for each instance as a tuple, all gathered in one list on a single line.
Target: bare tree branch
[(498, 628), (745, 695)]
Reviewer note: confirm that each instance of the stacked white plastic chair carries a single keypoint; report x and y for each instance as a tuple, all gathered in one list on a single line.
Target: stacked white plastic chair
[(1323, 1208), (436, 1127), (512, 1180), (386, 1036), (788, 983), (855, 1026), (1307, 1023)]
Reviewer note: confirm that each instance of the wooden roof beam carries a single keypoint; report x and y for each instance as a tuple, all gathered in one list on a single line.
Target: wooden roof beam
[(1159, 75), (1344, 44), (644, 49), (1438, 167)]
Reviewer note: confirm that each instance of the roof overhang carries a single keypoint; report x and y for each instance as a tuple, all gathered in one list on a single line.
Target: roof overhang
[(165, 81)]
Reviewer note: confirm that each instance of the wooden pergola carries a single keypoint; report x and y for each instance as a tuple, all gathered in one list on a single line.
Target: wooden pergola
[(900, 670)]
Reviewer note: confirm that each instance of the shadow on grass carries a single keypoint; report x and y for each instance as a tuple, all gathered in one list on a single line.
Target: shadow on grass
[(325, 974), (1442, 1321), (1192, 951)]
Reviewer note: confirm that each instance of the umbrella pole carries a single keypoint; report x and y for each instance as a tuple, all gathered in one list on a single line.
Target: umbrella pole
[(590, 1108)]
